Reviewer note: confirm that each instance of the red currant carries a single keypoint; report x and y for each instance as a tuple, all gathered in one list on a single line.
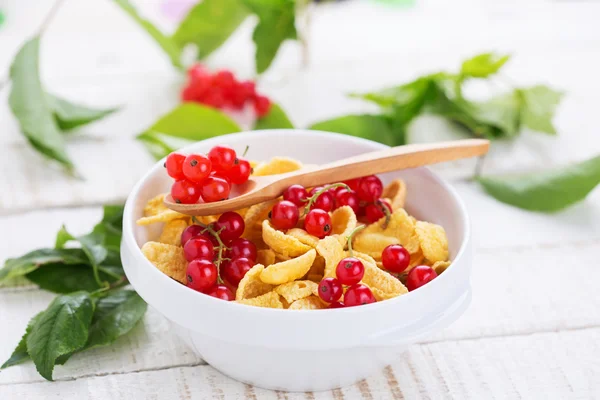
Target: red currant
[(214, 189), (284, 215), (324, 202), (212, 238), (318, 223), (201, 275), (296, 194), (330, 290), (214, 97), (197, 71), (345, 197), (196, 167), (419, 276), (233, 271), (224, 79), (185, 192), (190, 232), (375, 211), (222, 292), (337, 304), (262, 105), (241, 248), (357, 295), (198, 247), (369, 188), (174, 165), (222, 157), (350, 271), (353, 184), (395, 258), (240, 172), (248, 89), (230, 225)]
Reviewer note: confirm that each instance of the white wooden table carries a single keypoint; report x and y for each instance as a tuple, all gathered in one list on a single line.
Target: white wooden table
[(533, 330)]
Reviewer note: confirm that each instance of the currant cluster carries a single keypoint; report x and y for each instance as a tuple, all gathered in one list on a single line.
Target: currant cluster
[(396, 259), (218, 258), (206, 177), (221, 90)]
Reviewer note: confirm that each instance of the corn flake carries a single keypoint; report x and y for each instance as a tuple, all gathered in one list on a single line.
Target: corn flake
[(395, 191), (377, 236), (308, 303), (295, 290), (281, 243), (253, 219), (440, 266), (156, 211), (433, 241), (343, 221), (251, 286), (290, 270), (265, 257), (172, 231), (167, 258), (277, 165), (332, 251), (267, 300), (303, 236), (377, 278)]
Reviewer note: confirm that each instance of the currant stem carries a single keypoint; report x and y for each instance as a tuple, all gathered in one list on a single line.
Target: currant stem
[(386, 212), (311, 200), (245, 151), (351, 236), (221, 247)]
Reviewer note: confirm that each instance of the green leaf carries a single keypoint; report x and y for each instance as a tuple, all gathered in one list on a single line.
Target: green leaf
[(69, 115), (166, 43), (115, 315), (372, 127), (275, 119), (539, 105), (31, 107), (68, 278), (31, 261), (276, 24), (546, 191), (20, 353), (209, 24), (61, 329), (185, 124), (483, 65), (502, 112)]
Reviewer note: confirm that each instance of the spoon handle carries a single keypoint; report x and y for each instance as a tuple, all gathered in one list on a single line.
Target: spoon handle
[(392, 159)]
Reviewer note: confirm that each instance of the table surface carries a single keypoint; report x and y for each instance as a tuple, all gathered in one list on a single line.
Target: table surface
[(533, 327)]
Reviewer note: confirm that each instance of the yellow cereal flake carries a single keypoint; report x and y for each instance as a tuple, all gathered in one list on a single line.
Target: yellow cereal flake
[(303, 236), (440, 266), (343, 221), (395, 191), (415, 259), (375, 277), (290, 270), (156, 211), (281, 243), (308, 303), (332, 251), (265, 257), (172, 231), (251, 286), (167, 258), (377, 236), (380, 295), (253, 219), (433, 241), (314, 278), (295, 290), (277, 165), (267, 300), (317, 268)]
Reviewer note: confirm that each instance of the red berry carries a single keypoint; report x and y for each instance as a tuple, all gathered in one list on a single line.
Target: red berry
[(324, 202), (240, 172), (296, 194), (248, 89), (230, 225), (197, 71), (213, 97), (241, 248), (262, 105), (222, 158), (369, 188), (221, 175), (284, 215), (224, 79), (395, 258), (196, 89), (350, 271), (233, 271), (210, 236), (418, 276), (214, 189), (185, 192), (344, 197), (222, 292), (353, 184), (198, 247), (174, 165), (196, 167), (201, 275), (190, 232), (318, 223), (357, 295), (337, 304), (375, 211), (330, 290)]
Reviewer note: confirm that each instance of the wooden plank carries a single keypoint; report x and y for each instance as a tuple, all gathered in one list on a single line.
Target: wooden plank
[(546, 365)]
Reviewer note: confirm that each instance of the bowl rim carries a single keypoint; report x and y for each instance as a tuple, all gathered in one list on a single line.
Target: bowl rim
[(129, 242)]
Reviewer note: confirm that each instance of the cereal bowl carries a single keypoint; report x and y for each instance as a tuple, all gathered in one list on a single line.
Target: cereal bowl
[(304, 350)]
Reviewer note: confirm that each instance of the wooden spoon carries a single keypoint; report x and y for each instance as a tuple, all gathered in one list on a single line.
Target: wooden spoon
[(263, 188)]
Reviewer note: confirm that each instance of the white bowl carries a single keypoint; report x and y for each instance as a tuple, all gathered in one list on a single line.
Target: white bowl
[(304, 350)]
